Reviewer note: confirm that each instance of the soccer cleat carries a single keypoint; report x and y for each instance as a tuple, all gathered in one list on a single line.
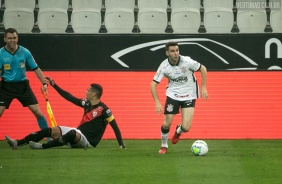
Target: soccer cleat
[(163, 150), (35, 145), (13, 143), (176, 136)]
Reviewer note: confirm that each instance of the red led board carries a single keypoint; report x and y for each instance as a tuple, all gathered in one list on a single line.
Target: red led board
[(241, 105)]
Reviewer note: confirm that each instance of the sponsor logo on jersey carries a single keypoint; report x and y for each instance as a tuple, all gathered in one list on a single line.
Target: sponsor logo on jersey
[(7, 59), (179, 96), (180, 79), (7, 66)]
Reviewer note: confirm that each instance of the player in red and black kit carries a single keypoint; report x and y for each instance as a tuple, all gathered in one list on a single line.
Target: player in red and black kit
[(95, 119)]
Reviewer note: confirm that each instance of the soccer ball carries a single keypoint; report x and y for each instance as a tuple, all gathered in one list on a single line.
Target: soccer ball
[(199, 148)]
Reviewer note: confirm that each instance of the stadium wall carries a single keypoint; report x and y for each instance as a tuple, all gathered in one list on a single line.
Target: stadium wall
[(245, 96)]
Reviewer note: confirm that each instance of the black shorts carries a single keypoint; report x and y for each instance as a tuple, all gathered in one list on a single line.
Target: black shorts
[(172, 106), (18, 90)]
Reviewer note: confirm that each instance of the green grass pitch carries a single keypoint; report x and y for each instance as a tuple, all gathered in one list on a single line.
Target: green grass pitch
[(227, 162)]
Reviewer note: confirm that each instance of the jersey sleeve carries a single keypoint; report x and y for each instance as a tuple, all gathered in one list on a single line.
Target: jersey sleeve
[(193, 65), (109, 118), (108, 115), (160, 73), (69, 97), (1, 63), (30, 60)]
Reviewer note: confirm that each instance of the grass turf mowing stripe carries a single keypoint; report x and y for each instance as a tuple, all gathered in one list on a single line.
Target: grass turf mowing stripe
[(228, 161)]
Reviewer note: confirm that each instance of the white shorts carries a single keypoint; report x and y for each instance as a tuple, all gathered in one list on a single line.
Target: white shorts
[(82, 143)]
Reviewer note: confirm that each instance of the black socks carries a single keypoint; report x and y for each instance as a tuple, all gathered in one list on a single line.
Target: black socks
[(69, 137), (36, 136)]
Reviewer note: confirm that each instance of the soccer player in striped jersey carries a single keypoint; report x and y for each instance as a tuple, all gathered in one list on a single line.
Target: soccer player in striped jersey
[(14, 60), (182, 91), (90, 130)]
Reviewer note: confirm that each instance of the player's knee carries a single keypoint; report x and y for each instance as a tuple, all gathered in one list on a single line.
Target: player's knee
[(70, 137), (185, 128), (56, 132)]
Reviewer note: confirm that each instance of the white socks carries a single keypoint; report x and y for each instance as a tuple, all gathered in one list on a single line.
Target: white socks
[(179, 130), (165, 139)]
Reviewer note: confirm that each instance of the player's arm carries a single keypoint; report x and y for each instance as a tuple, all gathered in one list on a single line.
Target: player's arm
[(40, 76), (204, 91), (154, 92), (116, 129), (66, 95)]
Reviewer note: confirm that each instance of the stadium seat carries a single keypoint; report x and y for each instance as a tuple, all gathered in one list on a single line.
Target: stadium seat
[(152, 16), (52, 16), (218, 16), (19, 15), (185, 16), (185, 20), (86, 16), (276, 16), (119, 20), (218, 20), (52, 20), (29, 4), (185, 4), (152, 4), (63, 4), (84, 4), (127, 4), (251, 20), (218, 4), (119, 16), (276, 21), (152, 20)]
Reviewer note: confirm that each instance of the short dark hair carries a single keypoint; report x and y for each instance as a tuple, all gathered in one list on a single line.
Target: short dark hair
[(10, 30), (169, 44), (98, 89)]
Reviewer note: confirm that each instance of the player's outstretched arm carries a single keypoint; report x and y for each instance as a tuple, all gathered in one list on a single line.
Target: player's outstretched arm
[(50, 80), (66, 95)]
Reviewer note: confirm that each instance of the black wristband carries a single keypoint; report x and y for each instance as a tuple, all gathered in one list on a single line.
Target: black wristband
[(44, 84)]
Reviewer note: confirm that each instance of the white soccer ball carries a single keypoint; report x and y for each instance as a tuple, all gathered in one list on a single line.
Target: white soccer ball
[(199, 148)]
